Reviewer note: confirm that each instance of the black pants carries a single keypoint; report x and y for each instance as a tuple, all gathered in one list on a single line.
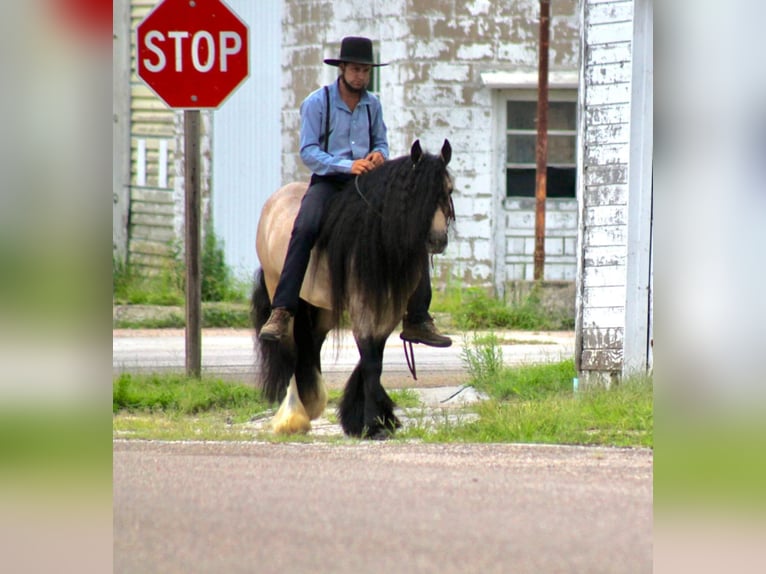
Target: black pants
[(304, 235)]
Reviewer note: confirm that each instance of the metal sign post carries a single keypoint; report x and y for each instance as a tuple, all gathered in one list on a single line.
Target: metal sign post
[(193, 54), (192, 242)]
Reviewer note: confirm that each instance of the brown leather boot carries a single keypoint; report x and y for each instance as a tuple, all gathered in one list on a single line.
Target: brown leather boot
[(425, 332), (276, 328)]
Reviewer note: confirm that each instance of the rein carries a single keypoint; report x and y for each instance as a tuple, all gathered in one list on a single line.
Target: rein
[(410, 356), (359, 191)]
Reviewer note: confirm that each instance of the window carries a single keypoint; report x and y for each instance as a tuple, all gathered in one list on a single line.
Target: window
[(521, 141), (374, 86)]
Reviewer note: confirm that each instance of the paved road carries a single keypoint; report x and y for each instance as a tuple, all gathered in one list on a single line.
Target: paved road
[(380, 508), (229, 353)]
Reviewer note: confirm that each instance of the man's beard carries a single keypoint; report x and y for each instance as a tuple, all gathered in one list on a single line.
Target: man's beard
[(349, 87)]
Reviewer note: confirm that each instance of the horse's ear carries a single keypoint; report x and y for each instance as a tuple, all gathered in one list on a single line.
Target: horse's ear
[(446, 154), (416, 152)]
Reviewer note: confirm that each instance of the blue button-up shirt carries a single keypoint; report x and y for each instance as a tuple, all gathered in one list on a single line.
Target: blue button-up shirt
[(349, 131)]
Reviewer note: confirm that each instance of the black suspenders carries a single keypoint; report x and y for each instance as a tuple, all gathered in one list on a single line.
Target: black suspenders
[(327, 120)]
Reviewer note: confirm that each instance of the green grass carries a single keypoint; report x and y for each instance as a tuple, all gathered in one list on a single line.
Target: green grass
[(531, 382), (405, 398), (472, 308), (526, 404), (537, 404), (616, 417), (175, 427), (176, 407), (620, 416), (182, 395), (540, 409)]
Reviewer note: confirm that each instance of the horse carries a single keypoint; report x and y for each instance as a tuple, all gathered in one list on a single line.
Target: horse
[(375, 239)]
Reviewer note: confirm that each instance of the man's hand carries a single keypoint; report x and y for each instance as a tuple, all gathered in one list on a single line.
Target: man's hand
[(376, 158), (361, 166)]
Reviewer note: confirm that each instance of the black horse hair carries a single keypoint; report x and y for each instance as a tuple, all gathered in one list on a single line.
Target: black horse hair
[(374, 232)]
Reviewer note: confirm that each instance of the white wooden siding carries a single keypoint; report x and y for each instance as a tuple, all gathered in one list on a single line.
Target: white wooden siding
[(151, 230), (603, 186)]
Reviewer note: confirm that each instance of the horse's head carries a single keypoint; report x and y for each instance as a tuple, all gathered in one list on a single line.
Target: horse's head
[(436, 241)]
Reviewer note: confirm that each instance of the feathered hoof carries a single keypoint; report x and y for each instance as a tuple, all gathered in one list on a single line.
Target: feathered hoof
[(379, 434), (382, 431), (294, 423), (291, 418)]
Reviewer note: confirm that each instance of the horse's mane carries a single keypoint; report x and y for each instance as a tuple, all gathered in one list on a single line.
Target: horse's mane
[(376, 229)]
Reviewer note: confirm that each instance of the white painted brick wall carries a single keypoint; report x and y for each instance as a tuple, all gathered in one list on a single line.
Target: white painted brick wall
[(482, 250), (471, 228), (475, 52), (450, 72), (560, 244)]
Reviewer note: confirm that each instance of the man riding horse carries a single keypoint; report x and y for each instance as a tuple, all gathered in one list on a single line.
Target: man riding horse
[(342, 135)]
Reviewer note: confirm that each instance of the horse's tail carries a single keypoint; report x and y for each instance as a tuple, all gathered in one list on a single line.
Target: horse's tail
[(276, 362)]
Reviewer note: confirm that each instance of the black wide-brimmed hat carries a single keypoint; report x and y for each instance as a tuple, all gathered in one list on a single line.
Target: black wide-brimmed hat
[(356, 50)]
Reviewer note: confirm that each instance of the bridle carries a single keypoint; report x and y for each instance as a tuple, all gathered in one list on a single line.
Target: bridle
[(364, 198)]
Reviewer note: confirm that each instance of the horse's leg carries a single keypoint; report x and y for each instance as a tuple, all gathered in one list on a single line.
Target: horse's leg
[(291, 417), (366, 409), (379, 419), (311, 327), (277, 366), (351, 407)]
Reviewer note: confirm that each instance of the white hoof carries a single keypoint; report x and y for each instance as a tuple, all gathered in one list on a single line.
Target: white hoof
[(291, 418)]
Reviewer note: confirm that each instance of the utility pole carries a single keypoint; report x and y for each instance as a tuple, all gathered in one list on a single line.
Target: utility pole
[(542, 139)]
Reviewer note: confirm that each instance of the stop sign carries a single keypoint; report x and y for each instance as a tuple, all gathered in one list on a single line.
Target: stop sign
[(192, 53)]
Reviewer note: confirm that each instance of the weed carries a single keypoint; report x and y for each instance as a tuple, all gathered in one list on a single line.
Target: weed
[(472, 309), (484, 360), (405, 398), (217, 282), (225, 315), (166, 285), (160, 287)]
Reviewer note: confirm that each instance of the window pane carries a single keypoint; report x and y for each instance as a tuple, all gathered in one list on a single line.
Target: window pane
[(562, 116), (522, 182), (561, 150), (521, 148), (521, 115)]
